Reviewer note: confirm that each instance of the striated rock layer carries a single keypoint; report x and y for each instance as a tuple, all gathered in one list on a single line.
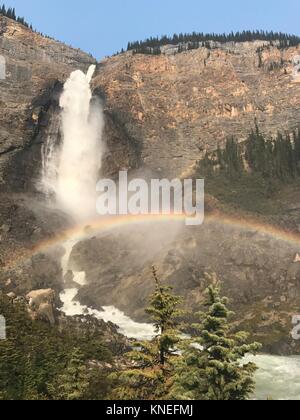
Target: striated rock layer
[(177, 106)]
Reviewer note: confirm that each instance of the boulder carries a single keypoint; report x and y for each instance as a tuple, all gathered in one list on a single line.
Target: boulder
[(37, 297), (42, 305)]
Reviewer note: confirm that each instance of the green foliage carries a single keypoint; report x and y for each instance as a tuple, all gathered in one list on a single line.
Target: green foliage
[(274, 158), (73, 383), (209, 366), (196, 40), (152, 362), (164, 312), (212, 367), (271, 158), (36, 356), (231, 159)]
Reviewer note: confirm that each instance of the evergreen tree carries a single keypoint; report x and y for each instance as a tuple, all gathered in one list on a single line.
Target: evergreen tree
[(212, 367), (11, 14), (73, 383), (232, 158), (274, 158), (197, 40), (150, 378), (163, 311), (35, 355)]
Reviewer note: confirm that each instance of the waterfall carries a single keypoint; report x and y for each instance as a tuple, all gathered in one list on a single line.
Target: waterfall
[(70, 174), (71, 169)]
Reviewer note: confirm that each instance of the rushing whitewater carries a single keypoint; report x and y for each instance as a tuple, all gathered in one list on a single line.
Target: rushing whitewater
[(71, 170), (72, 307)]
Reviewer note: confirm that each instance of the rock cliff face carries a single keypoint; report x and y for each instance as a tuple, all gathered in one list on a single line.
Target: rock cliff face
[(35, 68), (176, 106)]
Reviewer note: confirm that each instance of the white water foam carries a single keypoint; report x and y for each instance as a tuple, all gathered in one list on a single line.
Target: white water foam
[(127, 326), (277, 378)]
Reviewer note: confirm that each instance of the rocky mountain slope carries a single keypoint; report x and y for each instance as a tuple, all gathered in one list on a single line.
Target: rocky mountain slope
[(34, 69), (178, 105)]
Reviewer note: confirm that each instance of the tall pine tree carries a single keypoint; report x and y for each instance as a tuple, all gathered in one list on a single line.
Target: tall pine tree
[(150, 377), (212, 367)]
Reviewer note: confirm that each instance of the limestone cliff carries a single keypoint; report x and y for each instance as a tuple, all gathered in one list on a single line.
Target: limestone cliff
[(177, 106)]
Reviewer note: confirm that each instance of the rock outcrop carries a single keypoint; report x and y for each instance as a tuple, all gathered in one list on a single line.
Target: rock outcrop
[(42, 304), (162, 112)]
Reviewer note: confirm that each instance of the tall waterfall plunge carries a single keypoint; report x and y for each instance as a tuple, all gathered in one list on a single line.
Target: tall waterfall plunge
[(71, 169)]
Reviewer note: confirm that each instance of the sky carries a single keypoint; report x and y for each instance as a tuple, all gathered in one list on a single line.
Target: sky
[(104, 27)]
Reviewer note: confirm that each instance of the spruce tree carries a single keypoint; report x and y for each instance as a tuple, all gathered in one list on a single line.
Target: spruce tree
[(196, 40), (212, 367), (150, 377), (163, 311), (36, 357), (73, 383), (11, 14)]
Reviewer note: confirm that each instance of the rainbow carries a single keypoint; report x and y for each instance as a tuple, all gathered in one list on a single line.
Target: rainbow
[(101, 225)]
